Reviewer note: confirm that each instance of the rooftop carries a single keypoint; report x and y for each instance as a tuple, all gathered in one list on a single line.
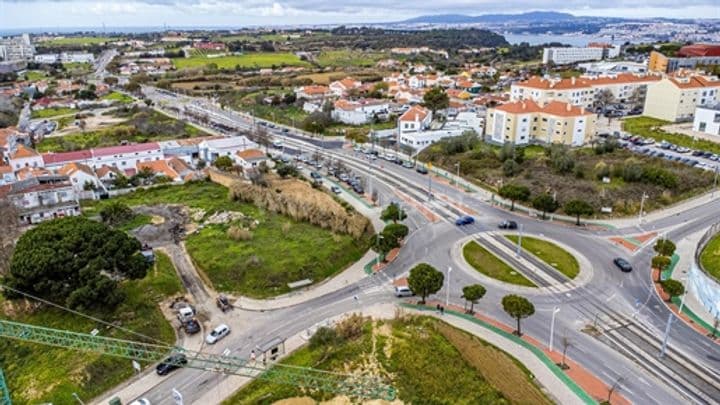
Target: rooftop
[(557, 108), (415, 113)]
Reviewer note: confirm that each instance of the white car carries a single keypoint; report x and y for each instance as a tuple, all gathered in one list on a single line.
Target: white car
[(218, 333), (140, 401)]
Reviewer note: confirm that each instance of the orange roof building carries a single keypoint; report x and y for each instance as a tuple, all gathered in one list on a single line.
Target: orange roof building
[(524, 122), (674, 98), (159, 168)]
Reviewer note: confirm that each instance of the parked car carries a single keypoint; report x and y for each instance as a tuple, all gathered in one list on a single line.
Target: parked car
[(358, 189), (622, 264), (403, 291), (343, 177), (191, 327), (140, 401), (315, 175), (335, 189), (421, 169), (464, 220), (218, 333), (507, 225), (408, 164), (171, 363)]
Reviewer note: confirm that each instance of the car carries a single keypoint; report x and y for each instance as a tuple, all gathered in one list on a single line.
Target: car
[(464, 220), (286, 130), (421, 169), (403, 291), (697, 153), (171, 363), (622, 264), (682, 149), (508, 225), (277, 143), (358, 189), (707, 154), (315, 175), (191, 327), (218, 333), (140, 401), (408, 164), (335, 189)]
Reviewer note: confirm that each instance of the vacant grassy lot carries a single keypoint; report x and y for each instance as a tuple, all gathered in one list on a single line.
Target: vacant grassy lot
[(710, 257), (34, 75), (280, 250), (115, 96), (488, 264), (651, 127), (142, 126), (52, 112), (572, 173), (425, 360), (250, 60), (77, 41), (43, 374), (551, 254), (349, 58)]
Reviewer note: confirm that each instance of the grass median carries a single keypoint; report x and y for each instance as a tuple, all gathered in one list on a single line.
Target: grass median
[(490, 265), (710, 258), (550, 253)]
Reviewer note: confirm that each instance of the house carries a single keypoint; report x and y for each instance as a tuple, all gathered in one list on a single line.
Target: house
[(30, 172), (52, 160), (340, 88), (10, 137), (81, 176), (250, 158), (359, 112), (707, 120), (415, 119), (66, 86), (209, 46), (313, 92), (159, 168), (524, 122), (688, 57), (23, 156), (42, 199), (674, 98), (211, 149), (108, 174), (7, 175)]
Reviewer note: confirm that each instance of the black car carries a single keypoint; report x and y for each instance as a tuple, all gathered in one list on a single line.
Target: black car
[(421, 169), (358, 189), (191, 327), (622, 264), (507, 225), (171, 363)]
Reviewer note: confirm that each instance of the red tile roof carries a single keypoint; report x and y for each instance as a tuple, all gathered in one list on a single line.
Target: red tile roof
[(55, 158), (22, 152), (537, 82), (557, 108), (117, 150), (415, 113), (251, 154)]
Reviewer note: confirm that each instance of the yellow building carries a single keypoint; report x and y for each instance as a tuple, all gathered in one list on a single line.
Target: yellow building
[(524, 122), (674, 98), (657, 62)]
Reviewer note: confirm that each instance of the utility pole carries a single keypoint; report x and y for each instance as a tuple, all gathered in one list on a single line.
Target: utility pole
[(552, 328), (715, 182), (519, 244), (457, 177), (667, 335), (447, 289), (642, 204)]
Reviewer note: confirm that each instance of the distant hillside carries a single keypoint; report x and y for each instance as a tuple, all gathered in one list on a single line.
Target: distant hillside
[(530, 17), (373, 38)]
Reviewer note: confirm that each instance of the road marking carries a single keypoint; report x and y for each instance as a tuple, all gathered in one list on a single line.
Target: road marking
[(610, 297)]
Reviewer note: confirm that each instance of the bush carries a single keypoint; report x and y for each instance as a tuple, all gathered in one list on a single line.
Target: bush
[(601, 170), (116, 213), (351, 327), (511, 168), (324, 337), (659, 176), (395, 231), (237, 233), (286, 170)]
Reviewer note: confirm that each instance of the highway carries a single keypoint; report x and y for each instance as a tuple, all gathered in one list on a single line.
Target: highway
[(622, 308)]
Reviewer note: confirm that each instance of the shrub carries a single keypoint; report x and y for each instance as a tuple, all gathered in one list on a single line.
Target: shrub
[(116, 213), (237, 233), (351, 327), (659, 176), (395, 231), (511, 168), (601, 170), (324, 337)]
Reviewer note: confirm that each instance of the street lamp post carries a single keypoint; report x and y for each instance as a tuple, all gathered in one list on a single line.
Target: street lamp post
[(552, 328), (447, 289), (519, 244), (670, 321), (715, 181), (642, 204), (377, 243), (457, 177)]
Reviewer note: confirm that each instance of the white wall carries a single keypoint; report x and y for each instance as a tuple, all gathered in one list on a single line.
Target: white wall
[(707, 121)]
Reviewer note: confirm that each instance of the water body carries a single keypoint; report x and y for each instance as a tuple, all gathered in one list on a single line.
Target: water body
[(573, 40)]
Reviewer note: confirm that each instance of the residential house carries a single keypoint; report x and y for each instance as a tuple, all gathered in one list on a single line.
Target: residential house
[(107, 174), (159, 168), (42, 199), (53, 160), (82, 177), (126, 157), (250, 158), (23, 156), (674, 98), (341, 88), (209, 46), (524, 122), (707, 120), (415, 119), (313, 92), (211, 149), (7, 175), (359, 112)]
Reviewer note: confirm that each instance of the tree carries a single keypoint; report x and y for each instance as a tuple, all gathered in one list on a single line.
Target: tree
[(514, 192), (116, 213), (578, 208), (472, 293), (672, 288), (384, 244), (436, 99), (665, 247), (517, 307), (660, 262), (603, 98), (424, 280), (566, 343), (286, 170), (325, 338), (393, 212), (396, 232), (223, 163), (637, 98), (10, 225), (75, 261), (545, 203)]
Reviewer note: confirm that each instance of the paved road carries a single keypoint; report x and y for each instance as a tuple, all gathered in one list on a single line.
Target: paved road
[(611, 300)]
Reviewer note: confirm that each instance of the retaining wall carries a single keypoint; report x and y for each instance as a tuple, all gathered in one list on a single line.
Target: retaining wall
[(705, 288)]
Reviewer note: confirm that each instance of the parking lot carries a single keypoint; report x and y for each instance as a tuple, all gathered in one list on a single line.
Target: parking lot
[(647, 146)]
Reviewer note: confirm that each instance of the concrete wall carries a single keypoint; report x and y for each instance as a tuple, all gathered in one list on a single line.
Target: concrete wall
[(701, 285)]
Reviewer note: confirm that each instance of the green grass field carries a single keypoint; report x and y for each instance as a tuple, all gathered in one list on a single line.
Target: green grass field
[(52, 112), (77, 41), (115, 96), (650, 127), (488, 264), (349, 58), (77, 66), (425, 360), (551, 254), (250, 60), (710, 257), (42, 374), (34, 75), (281, 250)]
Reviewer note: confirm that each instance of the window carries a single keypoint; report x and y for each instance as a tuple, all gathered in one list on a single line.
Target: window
[(702, 127)]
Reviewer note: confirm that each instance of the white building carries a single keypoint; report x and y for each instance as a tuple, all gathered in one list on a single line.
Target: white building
[(607, 67), (211, 149), (42, 199), (358, 112), (340, 88), (250, 158), (126, 157), (707, 119), (16, 48), (23, 157), (80, 175), (416, 119), (567, 56)]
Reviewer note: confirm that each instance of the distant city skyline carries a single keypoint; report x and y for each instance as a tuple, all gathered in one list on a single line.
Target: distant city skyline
[(55, 14)]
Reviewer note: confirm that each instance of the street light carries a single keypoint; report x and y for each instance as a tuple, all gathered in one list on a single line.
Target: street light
[(377, 243), (552, 327), (447, 289), (642, 203), (519, 244), (670, 321), (457, 177)]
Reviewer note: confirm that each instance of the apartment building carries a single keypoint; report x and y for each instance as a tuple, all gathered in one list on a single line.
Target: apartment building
[(567, 56), (674, 98), (16, 48), (527, 121), (707, 119), (582, 91), (42, 198), (688, 57)]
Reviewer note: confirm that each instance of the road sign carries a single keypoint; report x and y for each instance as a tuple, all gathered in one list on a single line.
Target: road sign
[(177, 397), (136, 366)]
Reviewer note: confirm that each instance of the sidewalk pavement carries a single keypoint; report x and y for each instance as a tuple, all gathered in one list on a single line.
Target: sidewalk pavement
[(348, 276)]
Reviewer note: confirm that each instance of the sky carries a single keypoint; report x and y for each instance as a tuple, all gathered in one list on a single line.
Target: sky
[(237, 13)]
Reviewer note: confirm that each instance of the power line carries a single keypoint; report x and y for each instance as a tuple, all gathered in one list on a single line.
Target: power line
[(44, 301)]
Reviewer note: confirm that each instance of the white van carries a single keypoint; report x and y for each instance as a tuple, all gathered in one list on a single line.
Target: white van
[(403, 291)]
